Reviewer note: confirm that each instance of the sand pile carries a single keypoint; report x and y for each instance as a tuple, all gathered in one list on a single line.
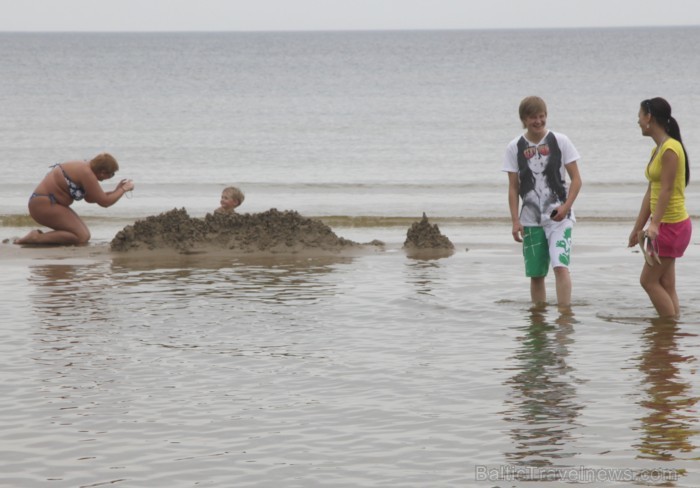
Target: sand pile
[(269, 231), (424, 236)]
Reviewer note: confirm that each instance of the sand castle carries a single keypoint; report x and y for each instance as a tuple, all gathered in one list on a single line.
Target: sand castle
[(272, 231)]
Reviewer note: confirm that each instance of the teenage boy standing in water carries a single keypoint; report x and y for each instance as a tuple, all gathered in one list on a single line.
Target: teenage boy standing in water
[(537, 163)]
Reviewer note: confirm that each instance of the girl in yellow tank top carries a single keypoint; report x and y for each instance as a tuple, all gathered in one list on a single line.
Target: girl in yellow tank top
[(675, 209), (669, 228)]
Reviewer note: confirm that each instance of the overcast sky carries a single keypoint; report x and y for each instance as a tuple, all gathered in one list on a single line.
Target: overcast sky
[(255, 15)]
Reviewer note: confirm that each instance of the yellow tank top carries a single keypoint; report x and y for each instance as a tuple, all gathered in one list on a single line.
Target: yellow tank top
[(675, 211)]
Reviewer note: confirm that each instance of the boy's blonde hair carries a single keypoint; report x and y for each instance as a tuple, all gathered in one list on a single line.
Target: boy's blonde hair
[(234, 193), (531, 106)]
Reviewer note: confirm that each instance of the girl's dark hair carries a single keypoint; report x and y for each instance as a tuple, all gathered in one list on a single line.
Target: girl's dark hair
[(660, 110)]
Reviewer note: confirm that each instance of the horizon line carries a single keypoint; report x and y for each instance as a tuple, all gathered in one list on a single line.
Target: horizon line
[(390, 29)]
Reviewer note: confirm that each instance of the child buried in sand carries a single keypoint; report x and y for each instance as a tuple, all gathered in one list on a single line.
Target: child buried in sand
[(231, 198)]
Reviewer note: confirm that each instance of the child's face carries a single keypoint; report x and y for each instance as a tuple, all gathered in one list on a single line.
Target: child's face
[(228, 202), (536, 124)]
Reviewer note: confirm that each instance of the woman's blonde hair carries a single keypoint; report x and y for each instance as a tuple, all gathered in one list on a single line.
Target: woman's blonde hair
[(104, 162)]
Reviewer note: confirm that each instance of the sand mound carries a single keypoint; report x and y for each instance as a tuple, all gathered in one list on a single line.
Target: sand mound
[(423, 235), (269, 231)]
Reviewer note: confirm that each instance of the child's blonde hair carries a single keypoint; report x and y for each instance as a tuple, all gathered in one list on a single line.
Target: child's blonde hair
[(234, 193), (531, 106)]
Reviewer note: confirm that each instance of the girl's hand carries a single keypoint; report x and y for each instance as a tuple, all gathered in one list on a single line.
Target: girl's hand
[(633, 238), (653, 230), (636, 237)]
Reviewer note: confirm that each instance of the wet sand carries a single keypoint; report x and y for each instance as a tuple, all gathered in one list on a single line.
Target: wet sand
[(272, 231), (269, 233)]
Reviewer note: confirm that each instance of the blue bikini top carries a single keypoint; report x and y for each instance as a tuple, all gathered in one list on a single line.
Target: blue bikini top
[(76, 192)]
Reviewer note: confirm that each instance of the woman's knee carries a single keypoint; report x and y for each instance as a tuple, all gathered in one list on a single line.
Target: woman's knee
[(649, 282), (668, 282), (83, 236), (643, 283)]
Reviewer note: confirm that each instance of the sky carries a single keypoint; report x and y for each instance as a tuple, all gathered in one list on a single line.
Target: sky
[(293, 15)]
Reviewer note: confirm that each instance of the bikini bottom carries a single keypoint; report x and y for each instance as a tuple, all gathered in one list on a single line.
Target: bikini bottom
[(52, 197)]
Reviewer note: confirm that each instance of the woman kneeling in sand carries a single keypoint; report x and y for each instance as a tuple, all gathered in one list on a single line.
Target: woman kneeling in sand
[(50, 203)]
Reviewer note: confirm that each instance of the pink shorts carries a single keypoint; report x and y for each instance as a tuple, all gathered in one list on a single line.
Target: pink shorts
[(673, 239)]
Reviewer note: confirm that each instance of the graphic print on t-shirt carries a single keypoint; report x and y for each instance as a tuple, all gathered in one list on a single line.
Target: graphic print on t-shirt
[(542, 187)]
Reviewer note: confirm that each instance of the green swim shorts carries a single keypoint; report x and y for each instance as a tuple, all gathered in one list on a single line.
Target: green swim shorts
[(535, 252), (540, 245)]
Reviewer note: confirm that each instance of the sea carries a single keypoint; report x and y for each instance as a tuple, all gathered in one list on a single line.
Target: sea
[(379, 370)]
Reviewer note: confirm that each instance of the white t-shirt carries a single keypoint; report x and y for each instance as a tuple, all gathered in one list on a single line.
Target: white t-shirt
[(542, 174)]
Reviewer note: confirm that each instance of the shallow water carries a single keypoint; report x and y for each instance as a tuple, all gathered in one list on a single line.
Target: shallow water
[(376, 370)]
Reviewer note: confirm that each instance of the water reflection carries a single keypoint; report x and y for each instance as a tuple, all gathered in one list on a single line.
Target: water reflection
[(428, 254), (424, 275), (76, 314), (277, 279), (70, 294), (543, 406), (671, 422)]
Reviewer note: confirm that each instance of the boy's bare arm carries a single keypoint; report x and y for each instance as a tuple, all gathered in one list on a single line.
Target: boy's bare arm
[(513, 203)]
